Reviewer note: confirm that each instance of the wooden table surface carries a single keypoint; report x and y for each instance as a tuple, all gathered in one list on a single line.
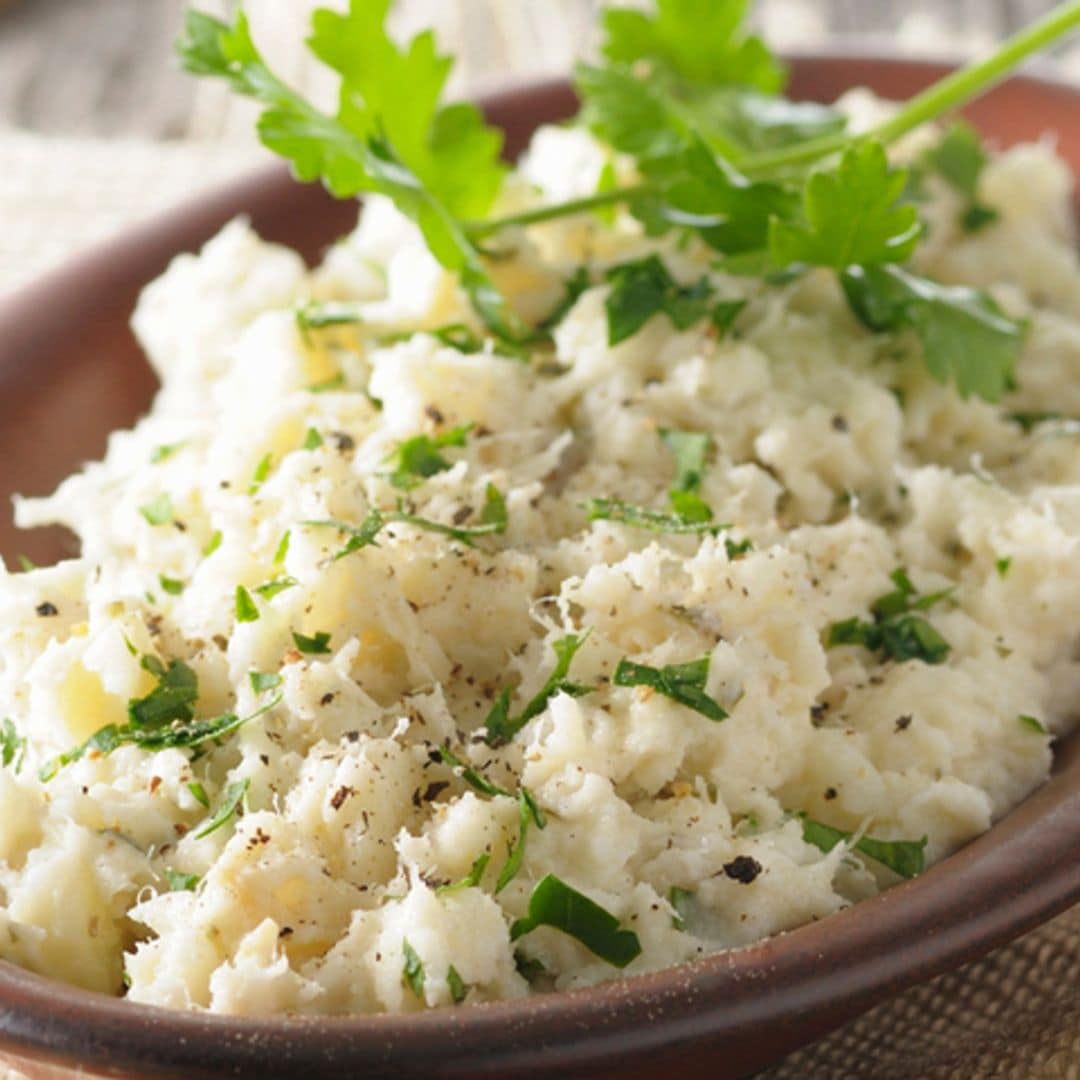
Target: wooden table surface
[(104, 67)]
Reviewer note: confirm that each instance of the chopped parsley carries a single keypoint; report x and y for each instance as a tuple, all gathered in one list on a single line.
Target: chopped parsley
[(172, 586), (959, 159), (234, 796), (12, 746), (903, 857), (261, 473), (412, 969), (638, 517), (472, 879), (418, 458), (159, 511), (323, 316), (680, 900), (312, 440), (1033, 723), (180, 882), (246, 611), (283, 548), (198, 793), (684, 683), (896, 632), (173, 698), (528, 811), (269, 589), (212, 544), (316, 645), (501, 727), (261, 681), (1002, 566), (493, 520), (456, 986), (164, 452), (644, 288), (554, 903)]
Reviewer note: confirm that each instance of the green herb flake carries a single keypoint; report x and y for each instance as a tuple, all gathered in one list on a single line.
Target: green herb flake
[(172, 586), (501, 727), (324, 317), (159, 511), (639, 517), (472, 879), (180, 882), (282, 549), (1034, 724), (198, 792), (246, 611), (724, 313), (171, 700), (680, 900), (1002, 566), (12, 746), (269, 589), (261, 681), (691, 452), (684, 683), (896, 632), (234, 796), (959, 159), (418, 458), (166, 451), (456, 986), (903, 857), (642, 289), (554, 903), (412, 969), (261, 473), (26, 564), (316, 645), (212, 544), (312, 440)]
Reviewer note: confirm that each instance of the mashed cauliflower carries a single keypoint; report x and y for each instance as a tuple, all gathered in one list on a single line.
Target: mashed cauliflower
[(324, 855)]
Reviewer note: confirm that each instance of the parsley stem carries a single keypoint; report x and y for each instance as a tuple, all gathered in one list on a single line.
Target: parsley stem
[(950, 92), (955, 89), (477, 229)]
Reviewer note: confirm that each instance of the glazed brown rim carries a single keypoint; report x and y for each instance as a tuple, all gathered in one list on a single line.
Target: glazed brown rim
[(783, 990)]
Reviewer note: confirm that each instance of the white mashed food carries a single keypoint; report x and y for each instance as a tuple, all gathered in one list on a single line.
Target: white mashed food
[(300, 863)]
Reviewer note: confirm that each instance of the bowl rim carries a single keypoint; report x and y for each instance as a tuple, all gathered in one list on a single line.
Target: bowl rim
[(948, 915)]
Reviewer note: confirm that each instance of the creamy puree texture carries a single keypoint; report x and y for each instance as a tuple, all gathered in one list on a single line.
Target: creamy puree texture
[(838, 458)]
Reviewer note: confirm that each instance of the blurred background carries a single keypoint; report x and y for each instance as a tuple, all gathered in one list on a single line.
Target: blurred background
[(98, 127), (104, 67)]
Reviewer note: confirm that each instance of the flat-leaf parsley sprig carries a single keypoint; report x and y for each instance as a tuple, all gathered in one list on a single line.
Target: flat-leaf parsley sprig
[(694, 100)]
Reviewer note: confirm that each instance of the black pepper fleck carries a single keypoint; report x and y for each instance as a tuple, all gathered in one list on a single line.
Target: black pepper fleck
[(743, 868)]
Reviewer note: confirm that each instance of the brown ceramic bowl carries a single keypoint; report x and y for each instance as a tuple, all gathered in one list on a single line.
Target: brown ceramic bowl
[(70, 372)]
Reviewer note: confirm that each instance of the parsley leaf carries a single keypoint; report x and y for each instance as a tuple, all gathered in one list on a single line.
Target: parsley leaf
[(684, 683), (316, 645), (456, 985), (235, 794), (179, 881), (418, 458), (12, 746), (246, 611), (851, 215), (172, 586), (171, 700), (639, 517), (199, 793), (959, 158), (896, 632), (680, 900), (1030, 723), (312, 440), (501, 727), (691, 450), (261, 681), (966, 338), (903, 857), (642, 289), (554, 903), (269, 589), (389, 134), (159, 511), (472, 879), (702, 41), (165, 451), (412, 969)]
